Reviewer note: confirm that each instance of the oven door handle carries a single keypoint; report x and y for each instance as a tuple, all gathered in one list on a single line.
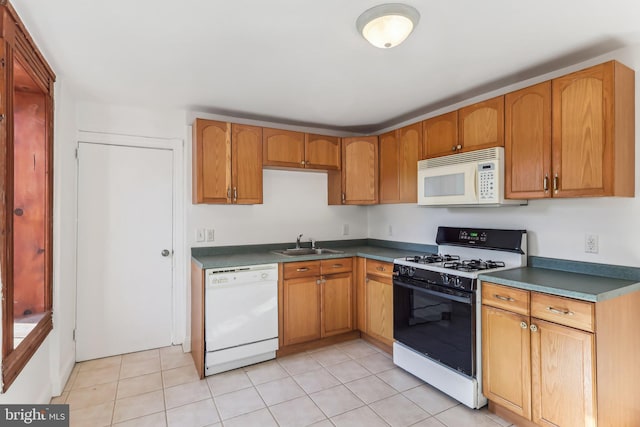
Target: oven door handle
[(468, 300)]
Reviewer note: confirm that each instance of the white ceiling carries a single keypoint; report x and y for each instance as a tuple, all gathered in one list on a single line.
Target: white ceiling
[(303, 62)]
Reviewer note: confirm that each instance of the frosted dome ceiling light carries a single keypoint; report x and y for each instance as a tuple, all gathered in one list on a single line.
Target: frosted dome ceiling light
[(387, 25)]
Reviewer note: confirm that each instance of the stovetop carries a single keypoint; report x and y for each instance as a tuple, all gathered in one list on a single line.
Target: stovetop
[(462, 255)]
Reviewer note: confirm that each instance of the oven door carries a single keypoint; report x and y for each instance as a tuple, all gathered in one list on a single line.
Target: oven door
[(436, 321)]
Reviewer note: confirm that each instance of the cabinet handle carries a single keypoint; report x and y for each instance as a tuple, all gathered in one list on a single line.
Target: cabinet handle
[(302, 269), (318, 281), (303, 162), (336, 266), (501, 298), (533, 328), (545, 183), (228, 192), (458, 147), (563, 312), (556, 181), (235, 194), (380, 268), (453, 148), (523, 325), (344, 198)]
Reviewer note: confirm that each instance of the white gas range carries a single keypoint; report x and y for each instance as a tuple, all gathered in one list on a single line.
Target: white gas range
[(437, 322)]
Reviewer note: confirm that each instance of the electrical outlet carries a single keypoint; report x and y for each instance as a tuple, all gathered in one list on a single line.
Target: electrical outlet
[(345, 229), (390, 230), (210, 234), (200, 235), (591, 243)]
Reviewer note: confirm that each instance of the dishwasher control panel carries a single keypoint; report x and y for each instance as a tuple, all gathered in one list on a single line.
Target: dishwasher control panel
[(242, 275)]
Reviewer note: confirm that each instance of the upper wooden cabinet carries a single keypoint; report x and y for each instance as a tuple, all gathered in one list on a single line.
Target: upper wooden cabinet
[(358, 182), (440, 135), (227, 163), (399, 154), (322, 152), (590, 151), (528, 142), (287, 149), (282, 148), (481, 125), (593, 132)]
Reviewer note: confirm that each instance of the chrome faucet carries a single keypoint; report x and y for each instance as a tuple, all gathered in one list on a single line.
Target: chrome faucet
[(298, 241)]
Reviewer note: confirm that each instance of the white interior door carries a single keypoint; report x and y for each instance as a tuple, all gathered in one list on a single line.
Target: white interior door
[(125, 204)]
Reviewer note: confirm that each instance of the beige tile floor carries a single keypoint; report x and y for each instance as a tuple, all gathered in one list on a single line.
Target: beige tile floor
[(348, 384)]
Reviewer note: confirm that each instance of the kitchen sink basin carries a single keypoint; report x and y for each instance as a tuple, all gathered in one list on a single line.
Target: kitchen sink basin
[(306, 251)]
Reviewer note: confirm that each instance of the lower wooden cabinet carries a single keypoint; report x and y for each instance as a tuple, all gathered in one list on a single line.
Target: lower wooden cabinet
[(557, 361), (378, 289), (318, 300)]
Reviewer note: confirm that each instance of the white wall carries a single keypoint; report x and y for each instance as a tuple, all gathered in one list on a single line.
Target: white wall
[(556, 227)]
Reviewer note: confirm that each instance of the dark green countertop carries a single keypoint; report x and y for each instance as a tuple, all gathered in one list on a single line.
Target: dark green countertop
[(586, 287), (221, 257)]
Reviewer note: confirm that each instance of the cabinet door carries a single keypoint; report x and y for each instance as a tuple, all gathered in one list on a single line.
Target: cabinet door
[(389, 167), (246, 164), (527, 146), (379, 300), (282, 148), (337, 304), (481, 125), (563, 375), (322, 152), (592, 143), (301, 310), (360, 170), (506, 366), (440, 135), (211, 157), (410, 139)]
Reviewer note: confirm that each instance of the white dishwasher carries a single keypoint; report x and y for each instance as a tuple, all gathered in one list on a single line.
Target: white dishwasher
[(241, 316)]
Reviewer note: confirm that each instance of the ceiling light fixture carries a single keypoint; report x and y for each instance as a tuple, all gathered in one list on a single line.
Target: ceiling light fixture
[(387, 25)]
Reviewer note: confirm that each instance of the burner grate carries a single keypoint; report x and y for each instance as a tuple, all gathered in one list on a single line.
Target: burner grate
[(474, 265)]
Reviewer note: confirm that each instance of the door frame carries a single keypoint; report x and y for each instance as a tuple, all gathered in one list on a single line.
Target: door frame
[(178, 287)]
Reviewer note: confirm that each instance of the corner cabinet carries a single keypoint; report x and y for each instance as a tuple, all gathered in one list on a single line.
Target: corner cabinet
[(400, 151), (556, 361), (357, 183), (227, 163)]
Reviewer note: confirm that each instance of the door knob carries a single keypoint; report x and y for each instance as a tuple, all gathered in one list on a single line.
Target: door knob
[(165, 252)]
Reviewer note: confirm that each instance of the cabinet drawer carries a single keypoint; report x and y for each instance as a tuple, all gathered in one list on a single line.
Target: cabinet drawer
[(564, 311), (301, 269), (340, 265), (505, 297), (379, 268)]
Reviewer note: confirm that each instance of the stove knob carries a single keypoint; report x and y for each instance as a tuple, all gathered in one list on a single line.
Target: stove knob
[(458, 283), (404, 270), (411, 271), (445, 278)]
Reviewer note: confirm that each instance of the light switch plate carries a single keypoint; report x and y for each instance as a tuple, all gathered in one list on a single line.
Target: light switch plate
[(200, 235), (210, 234)]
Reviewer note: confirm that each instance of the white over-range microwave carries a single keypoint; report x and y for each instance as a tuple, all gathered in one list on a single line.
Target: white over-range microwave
[(474, 178)]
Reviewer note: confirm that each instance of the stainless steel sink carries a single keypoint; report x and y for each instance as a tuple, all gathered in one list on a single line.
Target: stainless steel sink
[(306, 251)]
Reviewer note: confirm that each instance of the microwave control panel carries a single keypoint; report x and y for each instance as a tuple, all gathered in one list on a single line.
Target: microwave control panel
[(487, 181)]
